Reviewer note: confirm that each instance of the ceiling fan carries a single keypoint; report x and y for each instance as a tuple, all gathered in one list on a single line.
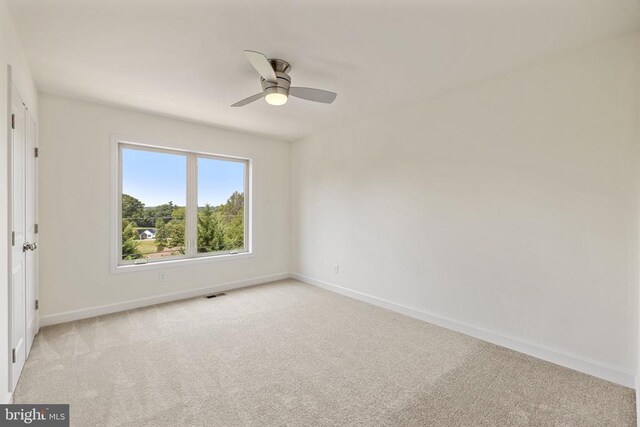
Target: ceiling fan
[(276, 83)]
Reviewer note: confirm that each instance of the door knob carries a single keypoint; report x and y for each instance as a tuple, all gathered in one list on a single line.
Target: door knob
[(29, 246)]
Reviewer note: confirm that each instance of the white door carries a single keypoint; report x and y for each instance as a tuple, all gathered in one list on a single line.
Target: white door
[(24, 288), (31, 262), (18, 236)]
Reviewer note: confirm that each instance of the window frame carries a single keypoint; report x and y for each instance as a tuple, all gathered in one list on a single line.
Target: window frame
[(191, 254)]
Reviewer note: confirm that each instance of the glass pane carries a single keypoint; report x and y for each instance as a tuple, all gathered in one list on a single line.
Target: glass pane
[(154, 194), (220, 205)]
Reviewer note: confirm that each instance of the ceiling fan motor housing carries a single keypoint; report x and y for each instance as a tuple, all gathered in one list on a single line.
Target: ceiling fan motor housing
[(281, 69)]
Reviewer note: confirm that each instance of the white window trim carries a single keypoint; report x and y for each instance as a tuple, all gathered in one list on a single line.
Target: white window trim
[(116, 200)]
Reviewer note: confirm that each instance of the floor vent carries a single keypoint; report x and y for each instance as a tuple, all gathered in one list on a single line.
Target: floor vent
[(215, 295)]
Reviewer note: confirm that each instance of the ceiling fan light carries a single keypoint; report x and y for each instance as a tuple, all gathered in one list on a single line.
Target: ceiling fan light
[(276, 98)]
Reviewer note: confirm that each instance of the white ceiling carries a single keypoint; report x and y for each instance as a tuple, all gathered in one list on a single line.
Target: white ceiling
[(184, 58)]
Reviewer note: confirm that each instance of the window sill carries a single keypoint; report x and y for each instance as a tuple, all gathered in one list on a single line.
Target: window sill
[(131, 268)]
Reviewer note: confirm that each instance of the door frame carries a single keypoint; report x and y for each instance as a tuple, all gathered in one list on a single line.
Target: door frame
[(31, 152)]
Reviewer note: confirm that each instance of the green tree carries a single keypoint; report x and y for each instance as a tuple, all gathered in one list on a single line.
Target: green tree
[(233, 205), (130, 241), (231, 216), (132, 209), (210, 232), (178, 213), (162, 212), (162, 236), (176, 229), (234, 232)]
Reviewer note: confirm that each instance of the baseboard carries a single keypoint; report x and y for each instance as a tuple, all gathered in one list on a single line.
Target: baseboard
[(577, 363), (85, 313), (7, 399), (591, 367)]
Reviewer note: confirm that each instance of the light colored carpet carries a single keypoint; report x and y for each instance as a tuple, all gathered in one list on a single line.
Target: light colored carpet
[(289, 354)]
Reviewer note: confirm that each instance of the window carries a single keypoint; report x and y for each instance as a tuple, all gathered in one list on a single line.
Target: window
[(220, 205), (153, 204), (175, 205)]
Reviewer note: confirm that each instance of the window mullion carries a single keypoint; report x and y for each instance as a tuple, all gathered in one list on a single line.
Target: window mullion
[(192, 206)]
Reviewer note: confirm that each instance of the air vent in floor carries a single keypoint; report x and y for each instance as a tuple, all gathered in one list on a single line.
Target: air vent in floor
[(215, 295)]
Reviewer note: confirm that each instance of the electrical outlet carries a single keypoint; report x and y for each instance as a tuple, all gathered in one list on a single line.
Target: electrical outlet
[(161, 277), (336, 268)]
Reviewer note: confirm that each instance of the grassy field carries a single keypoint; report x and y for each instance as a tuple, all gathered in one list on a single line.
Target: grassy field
[(149, 249), (147, 246)]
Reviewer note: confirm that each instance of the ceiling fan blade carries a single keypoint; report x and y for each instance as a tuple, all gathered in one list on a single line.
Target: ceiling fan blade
[(262, 65), (248, 100), (310, 94)]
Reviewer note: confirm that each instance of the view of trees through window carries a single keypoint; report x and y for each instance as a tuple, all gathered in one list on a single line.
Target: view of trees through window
[(221, 227), (155, 212)]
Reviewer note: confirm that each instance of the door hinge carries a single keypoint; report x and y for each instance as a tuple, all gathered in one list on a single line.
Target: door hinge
[(13, 121), (36, 228), (35, 152), (13, 238), (13, 355), (37, 304)]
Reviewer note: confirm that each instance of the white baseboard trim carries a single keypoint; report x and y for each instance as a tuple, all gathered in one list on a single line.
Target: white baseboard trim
[(577, 363), (7, 399), (85, 313)]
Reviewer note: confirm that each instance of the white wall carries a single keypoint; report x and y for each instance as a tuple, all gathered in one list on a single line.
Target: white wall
[(75, 205), (10, 54), (510, 204)]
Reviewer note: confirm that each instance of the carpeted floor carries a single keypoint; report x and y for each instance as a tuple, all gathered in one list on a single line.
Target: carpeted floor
[(291, 354)]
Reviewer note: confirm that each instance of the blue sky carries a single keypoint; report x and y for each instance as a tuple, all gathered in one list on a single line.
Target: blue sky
[(157, 178), (217, 180)]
